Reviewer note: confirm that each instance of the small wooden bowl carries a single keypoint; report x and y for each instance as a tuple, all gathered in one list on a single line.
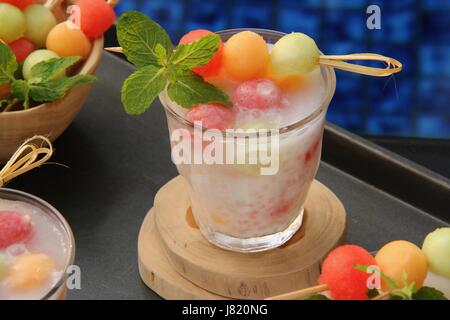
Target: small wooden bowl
[(48, 119)]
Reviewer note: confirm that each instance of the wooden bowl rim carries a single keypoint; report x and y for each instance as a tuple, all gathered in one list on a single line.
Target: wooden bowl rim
[(88, 68)]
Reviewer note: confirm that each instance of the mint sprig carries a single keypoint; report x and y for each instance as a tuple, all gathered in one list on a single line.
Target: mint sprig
[(197, 53), (8, 64), (47, 82), (147, 45)]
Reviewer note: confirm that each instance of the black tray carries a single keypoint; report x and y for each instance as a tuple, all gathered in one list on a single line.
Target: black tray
[(118, 162)]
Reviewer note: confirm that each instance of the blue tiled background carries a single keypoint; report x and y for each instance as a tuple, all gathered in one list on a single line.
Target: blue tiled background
[(415, 102)]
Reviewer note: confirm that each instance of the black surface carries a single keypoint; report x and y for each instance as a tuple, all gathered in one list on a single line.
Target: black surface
[(431, 153), (116, 165)]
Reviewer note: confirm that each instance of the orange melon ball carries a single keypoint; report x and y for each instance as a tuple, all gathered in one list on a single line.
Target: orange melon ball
[(30, 271), (67, 40), (246, 56), (286, 82), (401, 256), (222, 80)]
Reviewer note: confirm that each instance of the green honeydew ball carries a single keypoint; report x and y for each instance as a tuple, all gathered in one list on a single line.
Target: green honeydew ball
[(436, 248), (294, 54), (34, 58)]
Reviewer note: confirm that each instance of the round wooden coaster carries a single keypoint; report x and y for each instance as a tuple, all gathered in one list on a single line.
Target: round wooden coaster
[(156, 270), (293, 266)]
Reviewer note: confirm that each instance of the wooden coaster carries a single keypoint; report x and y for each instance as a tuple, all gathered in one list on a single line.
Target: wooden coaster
[(218, 273), (158, 273)]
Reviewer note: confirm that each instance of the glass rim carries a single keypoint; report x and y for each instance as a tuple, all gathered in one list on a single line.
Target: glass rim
[(33, 200), (327, 72)]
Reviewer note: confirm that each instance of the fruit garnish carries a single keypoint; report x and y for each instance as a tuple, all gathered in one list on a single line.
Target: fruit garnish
[(95, 17), (30, 271), (13, 23), (399, 257), (212, 116), (222, 80), (14, 228), (67, 40), (22, 48), (147, 45), (288, 83), (34, 58), (40, 20), (21, 4), (294, 54), (42, 84), (343, 280), (212, 68), (436, 248), (246, 55), (257, 94)]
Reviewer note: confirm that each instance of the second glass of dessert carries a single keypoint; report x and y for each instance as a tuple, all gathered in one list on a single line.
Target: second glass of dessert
[(252, 198), (36, 248)]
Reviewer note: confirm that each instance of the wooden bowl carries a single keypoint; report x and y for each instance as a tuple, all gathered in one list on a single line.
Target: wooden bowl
[(48, 119)]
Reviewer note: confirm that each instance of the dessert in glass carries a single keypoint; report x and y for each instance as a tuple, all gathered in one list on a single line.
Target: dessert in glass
[(236, 205), (36, 248)]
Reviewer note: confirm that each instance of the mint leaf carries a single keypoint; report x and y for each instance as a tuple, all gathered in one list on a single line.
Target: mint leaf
[(318, 297), (161, 54), (52, 90), (189, 90), (197, 53), (138, 36), (49, 69), (21, 90), (141, 88), (8, 64), (428, 293)]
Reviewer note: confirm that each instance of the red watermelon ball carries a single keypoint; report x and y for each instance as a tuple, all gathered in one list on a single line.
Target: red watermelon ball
[(212, 116), (257, 94), (21, 4), (344, 281), (22, 48), (96, 16), (14, 228), (212, 68)]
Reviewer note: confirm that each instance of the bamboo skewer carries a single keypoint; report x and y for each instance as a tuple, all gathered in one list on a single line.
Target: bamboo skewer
[(300, 294), (307, 292), (337, 61), (114, 49), (31, 154)]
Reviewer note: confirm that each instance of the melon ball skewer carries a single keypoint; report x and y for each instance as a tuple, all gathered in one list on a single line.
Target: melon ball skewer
[(297, 54), (339, 275)]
